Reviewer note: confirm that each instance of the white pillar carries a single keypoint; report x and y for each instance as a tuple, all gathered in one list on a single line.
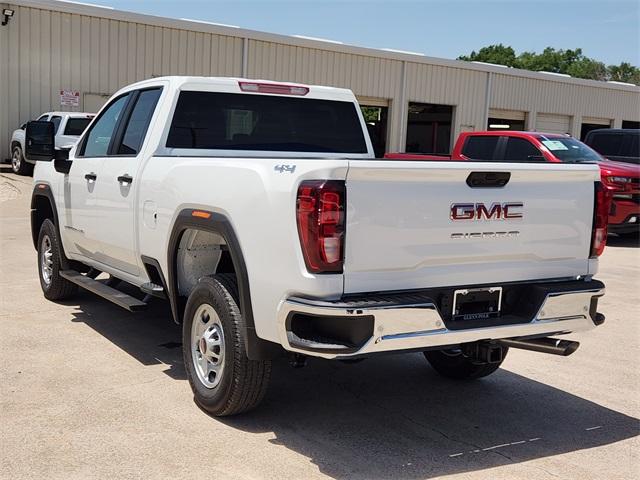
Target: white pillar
[(576, 125), (531, 121)]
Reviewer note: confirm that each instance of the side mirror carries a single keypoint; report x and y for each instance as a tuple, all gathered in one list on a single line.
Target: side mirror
[(39, 142), (62, 164), (23, 126)]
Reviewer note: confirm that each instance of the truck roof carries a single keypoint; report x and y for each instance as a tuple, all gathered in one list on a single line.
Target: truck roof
[(232, 85), (69, 114), (512, 133)]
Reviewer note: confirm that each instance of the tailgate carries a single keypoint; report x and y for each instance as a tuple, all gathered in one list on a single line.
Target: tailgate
[(400, 234)]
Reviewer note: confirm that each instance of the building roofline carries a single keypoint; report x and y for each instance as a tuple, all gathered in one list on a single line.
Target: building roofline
[(93, 10)]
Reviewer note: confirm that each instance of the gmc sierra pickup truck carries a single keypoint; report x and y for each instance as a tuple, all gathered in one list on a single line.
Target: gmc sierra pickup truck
[(258, 212), (621, 179)]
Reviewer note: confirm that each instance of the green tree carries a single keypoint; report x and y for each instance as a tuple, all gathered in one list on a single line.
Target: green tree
[(570, 62), (588, 68), (493, 54), (625, 72)]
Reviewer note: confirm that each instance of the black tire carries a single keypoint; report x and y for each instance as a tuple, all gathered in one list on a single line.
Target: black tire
[(243, 383), (453, 364), (18, 163), (53, 285)]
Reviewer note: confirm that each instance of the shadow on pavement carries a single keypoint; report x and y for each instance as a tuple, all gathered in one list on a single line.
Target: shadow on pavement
[(150, 337), (391, 416), (623, 241)]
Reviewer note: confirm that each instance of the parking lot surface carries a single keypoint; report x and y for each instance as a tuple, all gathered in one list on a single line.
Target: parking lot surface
[(91, 391)]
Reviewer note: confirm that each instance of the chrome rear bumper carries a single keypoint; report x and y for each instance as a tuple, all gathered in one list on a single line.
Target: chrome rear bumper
[(419, 325)]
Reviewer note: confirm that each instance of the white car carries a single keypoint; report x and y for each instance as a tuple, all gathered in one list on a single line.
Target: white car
[(68, 127), (258, 212)]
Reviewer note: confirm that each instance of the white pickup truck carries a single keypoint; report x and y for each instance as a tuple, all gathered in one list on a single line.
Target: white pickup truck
[(258, 211), (67, 126)]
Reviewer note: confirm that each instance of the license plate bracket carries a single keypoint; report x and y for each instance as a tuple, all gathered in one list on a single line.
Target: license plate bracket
[(476, 303)]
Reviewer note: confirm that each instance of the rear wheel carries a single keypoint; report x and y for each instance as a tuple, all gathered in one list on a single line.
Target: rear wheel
[(454, 364), (223, 379), (54, 286), (18, 164)]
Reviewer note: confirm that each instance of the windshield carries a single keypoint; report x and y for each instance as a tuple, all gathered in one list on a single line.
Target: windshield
[(570, 150)]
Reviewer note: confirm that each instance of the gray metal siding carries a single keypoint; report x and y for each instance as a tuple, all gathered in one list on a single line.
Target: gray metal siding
[(49, 51), (463, 89), (532, 94)]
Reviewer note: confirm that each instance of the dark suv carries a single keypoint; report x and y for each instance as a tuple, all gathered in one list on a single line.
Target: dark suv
[(619, 144)]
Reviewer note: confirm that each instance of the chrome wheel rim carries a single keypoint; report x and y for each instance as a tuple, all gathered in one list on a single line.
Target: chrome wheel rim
[(16, 160), (207, 346), (46, 259)]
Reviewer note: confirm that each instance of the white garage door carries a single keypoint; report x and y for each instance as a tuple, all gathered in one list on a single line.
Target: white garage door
[(605, 122), (551, 123), (507, 114)]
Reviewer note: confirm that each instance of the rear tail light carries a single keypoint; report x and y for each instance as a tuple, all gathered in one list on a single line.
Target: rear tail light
[(602, 201), (321, 218), (277, 88)]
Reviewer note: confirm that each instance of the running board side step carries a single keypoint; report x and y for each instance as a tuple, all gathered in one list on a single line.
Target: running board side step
[(115, 296), (553, 346)]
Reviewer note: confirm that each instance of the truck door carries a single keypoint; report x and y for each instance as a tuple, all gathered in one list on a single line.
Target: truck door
[(80, 222), (116, 205)]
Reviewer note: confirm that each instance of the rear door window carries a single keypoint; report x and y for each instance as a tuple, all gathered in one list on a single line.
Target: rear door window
[(522, 150), (480, 147), (138, 122), (230, 121)]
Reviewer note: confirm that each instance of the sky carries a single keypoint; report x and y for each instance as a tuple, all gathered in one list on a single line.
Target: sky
[(607, 30)]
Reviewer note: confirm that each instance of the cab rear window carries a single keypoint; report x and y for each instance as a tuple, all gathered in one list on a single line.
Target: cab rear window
[(230, 121), (75, 126), (480, 148)]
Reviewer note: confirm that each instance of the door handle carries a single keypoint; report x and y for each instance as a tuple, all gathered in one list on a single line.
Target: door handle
[(125, 179), (91, 177)]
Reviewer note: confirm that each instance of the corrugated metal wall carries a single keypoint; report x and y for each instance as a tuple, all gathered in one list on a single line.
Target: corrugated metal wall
[(535, 95), (49, 51), (463, 89), (46, 49)]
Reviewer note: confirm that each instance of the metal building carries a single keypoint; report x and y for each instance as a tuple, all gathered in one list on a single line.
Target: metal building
[(417, 103)]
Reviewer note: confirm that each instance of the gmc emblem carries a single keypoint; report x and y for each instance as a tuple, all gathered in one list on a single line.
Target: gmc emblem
[(479, 211)]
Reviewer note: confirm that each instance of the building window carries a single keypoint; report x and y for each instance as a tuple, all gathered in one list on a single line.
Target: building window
[(630, 124), (429, 128)]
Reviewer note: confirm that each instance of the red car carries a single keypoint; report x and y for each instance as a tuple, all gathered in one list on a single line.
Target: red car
[(622, 179)]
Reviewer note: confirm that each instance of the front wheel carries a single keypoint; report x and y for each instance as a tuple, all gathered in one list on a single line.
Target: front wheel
[(18, 164), (223, 379), (53, 285), (454, 364)]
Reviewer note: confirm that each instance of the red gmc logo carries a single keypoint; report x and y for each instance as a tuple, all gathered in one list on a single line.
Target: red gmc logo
[(479, 211)]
